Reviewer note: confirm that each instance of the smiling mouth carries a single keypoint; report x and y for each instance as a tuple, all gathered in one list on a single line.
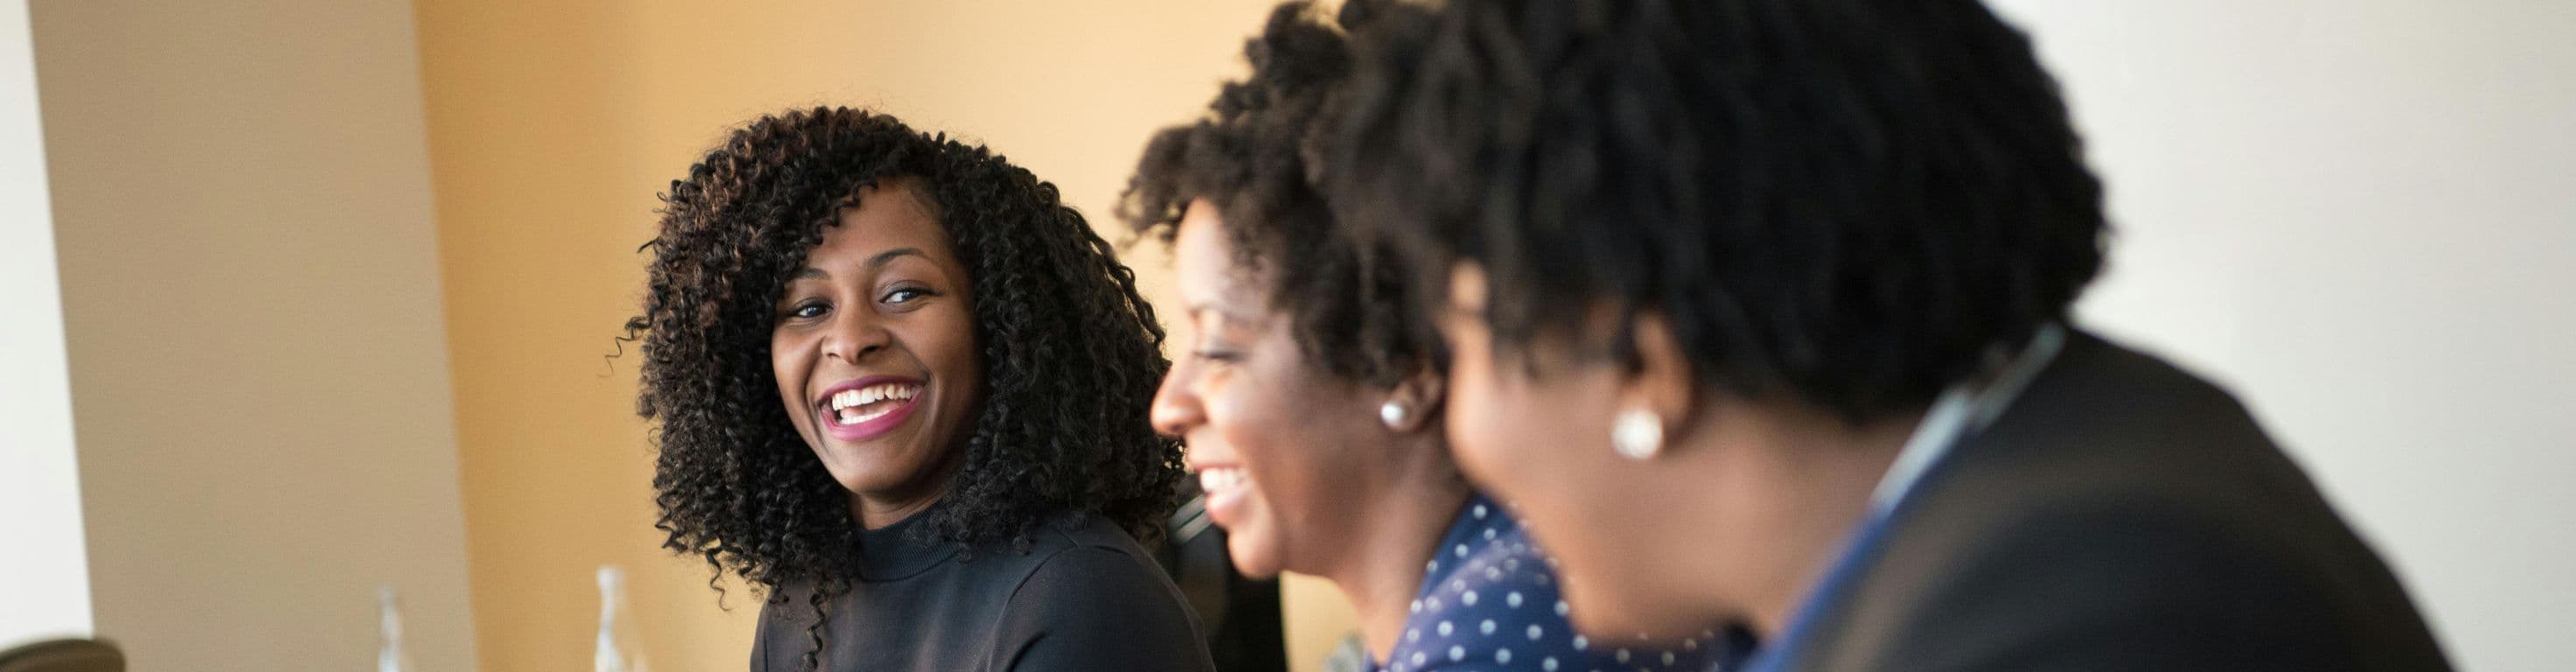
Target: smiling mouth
[(868, 409), (1224, 487), (851, 407)]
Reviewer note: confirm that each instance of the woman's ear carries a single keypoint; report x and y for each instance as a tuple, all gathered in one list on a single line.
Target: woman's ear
[(1415, 401), (1662, 381)]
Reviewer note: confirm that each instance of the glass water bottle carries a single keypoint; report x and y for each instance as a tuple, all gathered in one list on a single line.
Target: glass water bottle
[(618, 651), (390, 656)]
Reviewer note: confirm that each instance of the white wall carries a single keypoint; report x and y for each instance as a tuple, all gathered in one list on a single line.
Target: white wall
[(2361, 214), (250, 295), (44, 576)]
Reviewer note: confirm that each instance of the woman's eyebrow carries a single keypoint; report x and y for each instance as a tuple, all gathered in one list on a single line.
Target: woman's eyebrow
[(880, 259), (1201, 310)]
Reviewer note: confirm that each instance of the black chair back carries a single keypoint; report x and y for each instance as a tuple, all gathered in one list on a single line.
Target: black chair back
[(63, 655)]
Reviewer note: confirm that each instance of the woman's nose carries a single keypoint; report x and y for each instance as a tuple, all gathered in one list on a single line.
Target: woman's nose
[(854, 335), (1176, 408)]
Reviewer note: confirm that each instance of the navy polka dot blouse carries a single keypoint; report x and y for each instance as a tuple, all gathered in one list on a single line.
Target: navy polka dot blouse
[(1489, 602)]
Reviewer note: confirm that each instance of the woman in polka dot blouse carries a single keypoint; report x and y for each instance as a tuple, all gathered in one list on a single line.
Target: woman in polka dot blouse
[(1309, 397)]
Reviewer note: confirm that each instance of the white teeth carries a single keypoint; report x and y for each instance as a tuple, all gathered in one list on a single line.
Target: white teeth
[(847, 399), (1220, 479)]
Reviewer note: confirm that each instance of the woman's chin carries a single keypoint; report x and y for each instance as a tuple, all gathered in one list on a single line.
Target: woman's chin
[(1254, 554)]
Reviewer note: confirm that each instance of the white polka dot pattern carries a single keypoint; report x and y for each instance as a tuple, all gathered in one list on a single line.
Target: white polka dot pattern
[(1488, 602)]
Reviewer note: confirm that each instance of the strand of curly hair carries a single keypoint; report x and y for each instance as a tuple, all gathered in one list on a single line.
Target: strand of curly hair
[(1071, 355)]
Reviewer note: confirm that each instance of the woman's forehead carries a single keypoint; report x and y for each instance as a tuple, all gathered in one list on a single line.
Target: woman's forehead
[(888, 225), (1213, 272)]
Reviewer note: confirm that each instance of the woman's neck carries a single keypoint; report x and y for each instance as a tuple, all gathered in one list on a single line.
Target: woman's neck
[(1398, 536), (879, 510), (1799, 494), (877, 514)]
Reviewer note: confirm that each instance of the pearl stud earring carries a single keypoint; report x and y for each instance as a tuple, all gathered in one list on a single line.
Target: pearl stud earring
[(1638, 434), (1393, 413)]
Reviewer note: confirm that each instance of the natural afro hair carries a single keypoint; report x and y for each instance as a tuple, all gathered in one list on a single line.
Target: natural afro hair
[(1071, 354), (1249, 157), (1846, 203)]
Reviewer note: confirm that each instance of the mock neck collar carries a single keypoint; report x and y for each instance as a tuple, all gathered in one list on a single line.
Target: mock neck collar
[(888, 554)]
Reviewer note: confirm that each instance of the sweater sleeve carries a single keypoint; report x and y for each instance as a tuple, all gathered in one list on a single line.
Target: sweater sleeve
[(1093, 608)]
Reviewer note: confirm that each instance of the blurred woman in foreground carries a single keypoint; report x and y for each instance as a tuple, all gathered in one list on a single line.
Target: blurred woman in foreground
[(1762, 309)]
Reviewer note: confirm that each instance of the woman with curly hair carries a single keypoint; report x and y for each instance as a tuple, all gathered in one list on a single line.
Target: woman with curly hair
[(1311, 394), (900, 389)]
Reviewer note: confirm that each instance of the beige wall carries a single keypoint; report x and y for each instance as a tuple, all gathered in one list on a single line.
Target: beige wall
[(251, 305), (552, 126)]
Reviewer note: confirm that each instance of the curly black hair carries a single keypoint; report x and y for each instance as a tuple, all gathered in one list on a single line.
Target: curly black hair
[(1071, 353), (1248, 156), (1848, 203)]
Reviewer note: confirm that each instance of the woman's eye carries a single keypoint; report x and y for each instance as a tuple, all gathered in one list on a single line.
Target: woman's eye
[(1217, 355), (810, 309), (905, 294)]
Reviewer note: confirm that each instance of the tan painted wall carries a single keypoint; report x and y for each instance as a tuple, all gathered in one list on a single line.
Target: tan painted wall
[(552, 126), (251, 309)]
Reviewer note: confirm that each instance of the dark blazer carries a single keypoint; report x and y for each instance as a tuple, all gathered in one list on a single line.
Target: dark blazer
[(2120, 515)]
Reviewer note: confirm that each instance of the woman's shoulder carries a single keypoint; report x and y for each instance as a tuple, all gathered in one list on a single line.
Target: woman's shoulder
[(1083, 552), (1095, 595), (789, 603), (1067, 530)]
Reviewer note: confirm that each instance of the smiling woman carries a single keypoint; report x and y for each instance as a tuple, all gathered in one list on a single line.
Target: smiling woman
[(879, 315), (901, 388)]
